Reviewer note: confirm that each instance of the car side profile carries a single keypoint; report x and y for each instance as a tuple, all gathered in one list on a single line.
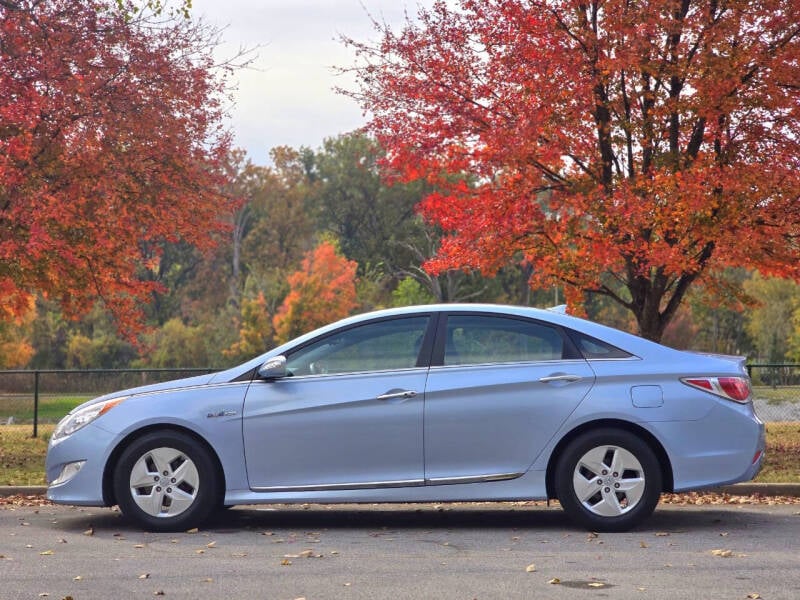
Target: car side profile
[(421, 404)]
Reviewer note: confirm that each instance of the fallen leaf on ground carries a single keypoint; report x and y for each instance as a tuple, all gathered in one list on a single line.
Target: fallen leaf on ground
[(530, 568), (46, 553), (89, 531), (722, 553), (554, 581)]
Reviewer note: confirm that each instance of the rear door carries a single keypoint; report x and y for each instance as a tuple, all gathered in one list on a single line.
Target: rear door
[(502, 388)]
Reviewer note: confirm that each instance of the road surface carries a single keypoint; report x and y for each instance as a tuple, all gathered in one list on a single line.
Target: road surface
[(480, 551)]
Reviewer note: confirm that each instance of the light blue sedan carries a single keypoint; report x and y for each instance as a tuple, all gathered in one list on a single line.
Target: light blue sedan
[(421, 404)]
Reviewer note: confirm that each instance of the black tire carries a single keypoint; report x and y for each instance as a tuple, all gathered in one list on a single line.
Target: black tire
[(600, 498), (166, 481)]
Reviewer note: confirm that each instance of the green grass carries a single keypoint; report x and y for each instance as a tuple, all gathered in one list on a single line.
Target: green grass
[(51, 408), (778, 394), (22, 457)]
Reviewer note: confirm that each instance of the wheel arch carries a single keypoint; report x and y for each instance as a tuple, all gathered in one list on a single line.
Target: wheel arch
[(111, 464), (641, 432)]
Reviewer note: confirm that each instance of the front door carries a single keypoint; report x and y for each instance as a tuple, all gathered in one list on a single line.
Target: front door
[(348, 416)]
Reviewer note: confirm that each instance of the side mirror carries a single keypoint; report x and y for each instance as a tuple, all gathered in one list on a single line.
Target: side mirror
[(273, 368)]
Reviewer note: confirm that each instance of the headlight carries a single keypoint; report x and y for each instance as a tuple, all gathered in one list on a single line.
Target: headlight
[(82, 417)]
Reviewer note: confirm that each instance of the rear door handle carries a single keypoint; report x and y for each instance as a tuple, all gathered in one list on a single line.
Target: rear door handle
[(565, 377), (401, 395)]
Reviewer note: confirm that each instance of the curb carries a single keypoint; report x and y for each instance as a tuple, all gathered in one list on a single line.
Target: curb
[(738, 489), (760, 489), (22, 490)]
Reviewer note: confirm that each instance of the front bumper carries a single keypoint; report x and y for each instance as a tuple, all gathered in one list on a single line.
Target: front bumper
[(84, 487)]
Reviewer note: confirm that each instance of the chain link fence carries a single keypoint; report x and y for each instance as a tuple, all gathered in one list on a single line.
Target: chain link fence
[(43, 397), (776, 391)]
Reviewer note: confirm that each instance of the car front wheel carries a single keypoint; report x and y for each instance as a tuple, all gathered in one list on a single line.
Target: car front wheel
[(608, 480), (166, 481)]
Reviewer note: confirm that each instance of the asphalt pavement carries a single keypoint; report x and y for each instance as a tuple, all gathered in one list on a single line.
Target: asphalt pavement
[(368, 552)]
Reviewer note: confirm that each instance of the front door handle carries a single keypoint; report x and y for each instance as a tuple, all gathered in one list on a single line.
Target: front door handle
[(565, 377), (401, 395)]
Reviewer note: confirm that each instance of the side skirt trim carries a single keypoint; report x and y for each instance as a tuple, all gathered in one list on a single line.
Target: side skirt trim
[(389, 484)]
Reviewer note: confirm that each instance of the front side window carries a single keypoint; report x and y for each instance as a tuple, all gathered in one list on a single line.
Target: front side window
[(376, 346), (478, 339)]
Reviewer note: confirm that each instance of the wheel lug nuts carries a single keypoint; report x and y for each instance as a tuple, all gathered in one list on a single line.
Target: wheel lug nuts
[(166, 473), (616, 474), (607, 490), (599, 482), (616, 485), (158, 488), (169, 490), (155, 478), (605, 472), (173, 480)]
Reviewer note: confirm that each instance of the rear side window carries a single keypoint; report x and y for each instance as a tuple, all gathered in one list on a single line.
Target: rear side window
[(592, 348), (480, 339)]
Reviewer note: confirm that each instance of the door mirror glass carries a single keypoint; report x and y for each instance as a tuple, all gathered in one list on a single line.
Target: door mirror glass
[(273, 368)]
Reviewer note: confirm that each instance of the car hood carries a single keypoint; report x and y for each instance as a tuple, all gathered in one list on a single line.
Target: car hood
[(154, 387)]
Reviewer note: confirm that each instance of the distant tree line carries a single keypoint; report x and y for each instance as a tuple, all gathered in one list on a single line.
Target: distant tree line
[(319, 234)]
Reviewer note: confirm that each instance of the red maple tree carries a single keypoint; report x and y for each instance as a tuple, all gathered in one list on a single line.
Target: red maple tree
[(630, 149), (110, 136)]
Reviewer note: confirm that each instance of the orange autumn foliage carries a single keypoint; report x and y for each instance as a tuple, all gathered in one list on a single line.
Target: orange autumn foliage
[(629, 149), (323, 290)]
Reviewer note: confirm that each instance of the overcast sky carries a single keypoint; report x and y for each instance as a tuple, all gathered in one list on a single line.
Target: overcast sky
[(287, 98)]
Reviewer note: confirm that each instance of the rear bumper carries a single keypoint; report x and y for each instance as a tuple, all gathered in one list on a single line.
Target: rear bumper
[(703, 461)]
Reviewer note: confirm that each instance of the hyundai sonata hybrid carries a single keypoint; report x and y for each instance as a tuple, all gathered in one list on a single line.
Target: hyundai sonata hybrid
[(421, 404)]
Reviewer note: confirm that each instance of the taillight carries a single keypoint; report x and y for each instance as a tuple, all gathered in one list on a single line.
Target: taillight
[(732, 388)]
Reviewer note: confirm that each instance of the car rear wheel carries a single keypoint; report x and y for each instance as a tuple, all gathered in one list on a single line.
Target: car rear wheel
[(608, 480), (166, 481)]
